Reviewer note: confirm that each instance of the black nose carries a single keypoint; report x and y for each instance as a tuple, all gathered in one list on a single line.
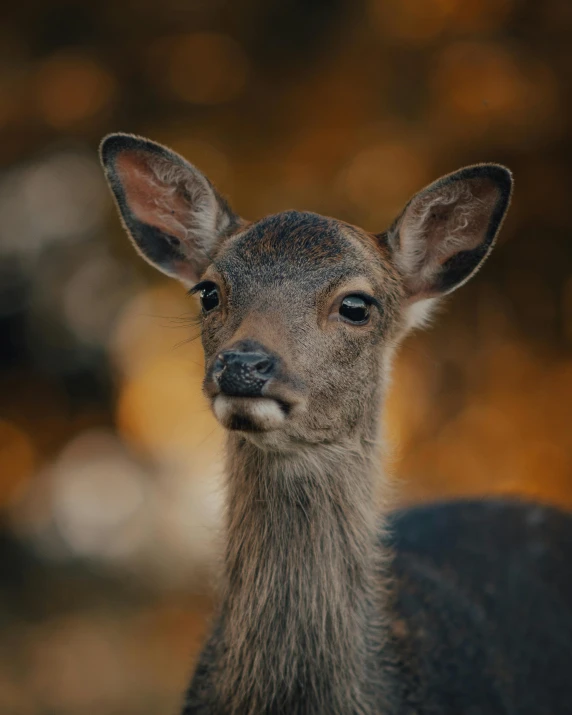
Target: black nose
[(240, 373)]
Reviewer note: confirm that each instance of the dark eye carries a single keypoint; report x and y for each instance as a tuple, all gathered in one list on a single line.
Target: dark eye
[(355, 309), (209, 297)]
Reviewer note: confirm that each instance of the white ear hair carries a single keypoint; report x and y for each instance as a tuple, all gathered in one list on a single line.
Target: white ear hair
[(200, 217), (447, 230), (422, 254), (171, 211)]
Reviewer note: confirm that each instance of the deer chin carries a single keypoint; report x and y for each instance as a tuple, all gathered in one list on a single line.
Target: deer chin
[(249, 414)]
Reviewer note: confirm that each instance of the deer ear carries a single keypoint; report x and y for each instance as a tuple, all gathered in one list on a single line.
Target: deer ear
[(446, 231), (171, 211)]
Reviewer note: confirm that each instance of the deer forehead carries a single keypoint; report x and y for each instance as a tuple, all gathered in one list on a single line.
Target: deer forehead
[(299, 248)]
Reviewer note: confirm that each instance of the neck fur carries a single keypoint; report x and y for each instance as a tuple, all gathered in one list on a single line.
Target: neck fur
[(303, 603)]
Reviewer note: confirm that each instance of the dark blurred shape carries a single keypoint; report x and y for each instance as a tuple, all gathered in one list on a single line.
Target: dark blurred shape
[(286, 36)]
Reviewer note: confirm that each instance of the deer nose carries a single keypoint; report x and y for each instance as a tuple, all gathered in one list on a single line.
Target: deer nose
[(243, 374)]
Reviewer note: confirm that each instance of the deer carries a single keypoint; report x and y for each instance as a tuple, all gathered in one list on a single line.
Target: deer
[(330, 603)]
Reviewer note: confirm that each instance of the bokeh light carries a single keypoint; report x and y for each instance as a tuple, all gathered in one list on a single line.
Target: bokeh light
[(201, 68), (418, 22), (392, 169), (59, 197), (17, 461), (73, 89), (487, 87)]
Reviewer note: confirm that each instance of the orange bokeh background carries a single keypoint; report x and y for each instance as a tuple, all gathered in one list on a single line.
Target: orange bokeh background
[(110, 461)]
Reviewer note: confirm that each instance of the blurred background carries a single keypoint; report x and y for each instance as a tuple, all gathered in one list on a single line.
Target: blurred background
[(109, 458)]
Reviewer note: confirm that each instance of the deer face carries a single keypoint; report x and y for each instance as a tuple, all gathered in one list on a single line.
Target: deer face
[(300, 312), (296, 311)]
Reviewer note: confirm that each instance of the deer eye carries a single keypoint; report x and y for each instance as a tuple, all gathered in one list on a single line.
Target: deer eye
[(209, 296), (355, 309)]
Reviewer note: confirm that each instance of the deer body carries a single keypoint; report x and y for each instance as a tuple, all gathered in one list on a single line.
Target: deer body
[(320, 611), (477, 617)]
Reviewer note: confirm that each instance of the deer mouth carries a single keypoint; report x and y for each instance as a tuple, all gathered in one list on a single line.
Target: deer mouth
[(250, 414)]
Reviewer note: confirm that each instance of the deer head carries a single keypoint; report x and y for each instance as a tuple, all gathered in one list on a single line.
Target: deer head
[(300, 312)]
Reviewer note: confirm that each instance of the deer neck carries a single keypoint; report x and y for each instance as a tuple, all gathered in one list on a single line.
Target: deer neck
[(302, 604)]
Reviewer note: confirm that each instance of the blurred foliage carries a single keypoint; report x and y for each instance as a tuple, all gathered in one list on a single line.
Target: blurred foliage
[(109, 458)]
